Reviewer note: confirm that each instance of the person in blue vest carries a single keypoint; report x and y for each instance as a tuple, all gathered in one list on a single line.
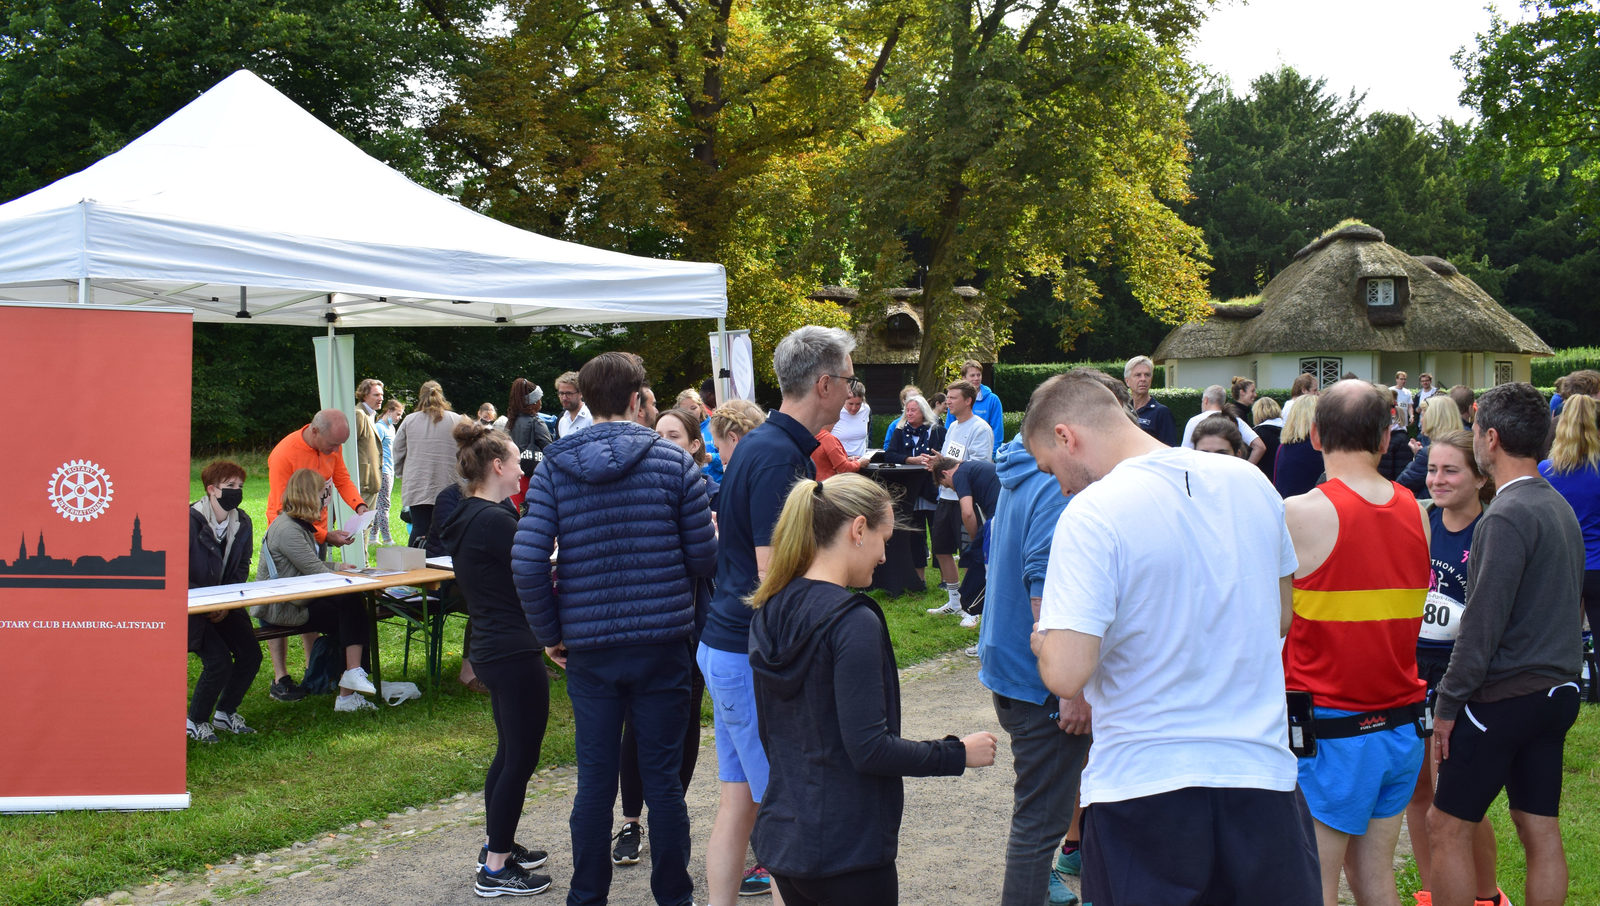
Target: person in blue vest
[(986, 407)]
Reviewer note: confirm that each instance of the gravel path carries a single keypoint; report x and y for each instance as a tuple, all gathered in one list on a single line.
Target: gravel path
[(952, 847)]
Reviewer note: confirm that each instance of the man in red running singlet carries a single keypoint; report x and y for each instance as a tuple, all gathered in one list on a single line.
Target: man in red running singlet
[(1362, 544)]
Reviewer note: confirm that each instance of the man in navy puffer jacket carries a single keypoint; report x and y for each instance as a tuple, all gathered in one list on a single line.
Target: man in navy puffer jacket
[(631, 515)]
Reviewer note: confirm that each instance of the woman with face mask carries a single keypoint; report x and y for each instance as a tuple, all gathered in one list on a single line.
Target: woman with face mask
[(220, 542)]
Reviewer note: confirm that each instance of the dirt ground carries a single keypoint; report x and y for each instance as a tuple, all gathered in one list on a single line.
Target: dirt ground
[(952, 846)]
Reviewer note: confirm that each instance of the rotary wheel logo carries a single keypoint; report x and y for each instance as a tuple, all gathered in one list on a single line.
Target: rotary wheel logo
[(80, 490)]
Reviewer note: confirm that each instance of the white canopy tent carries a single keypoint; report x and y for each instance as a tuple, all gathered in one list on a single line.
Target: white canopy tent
[(244, 204), (247, 209)]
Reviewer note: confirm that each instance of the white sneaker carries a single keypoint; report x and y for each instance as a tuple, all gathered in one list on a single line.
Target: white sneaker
[(971, 652), (353, 703), (949, 607), (233, 723), (355, 679), (969, 621)]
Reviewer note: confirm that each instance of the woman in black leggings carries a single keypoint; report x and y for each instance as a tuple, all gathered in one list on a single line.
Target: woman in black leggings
[(508, 659)]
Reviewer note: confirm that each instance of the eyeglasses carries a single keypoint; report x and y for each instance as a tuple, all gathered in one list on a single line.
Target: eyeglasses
[(855, 385)]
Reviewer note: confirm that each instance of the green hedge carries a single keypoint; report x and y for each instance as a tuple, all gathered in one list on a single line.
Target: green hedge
[(1015, 383), (1563, 363)]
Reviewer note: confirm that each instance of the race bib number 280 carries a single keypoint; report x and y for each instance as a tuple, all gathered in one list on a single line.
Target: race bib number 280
[(1441, 618)]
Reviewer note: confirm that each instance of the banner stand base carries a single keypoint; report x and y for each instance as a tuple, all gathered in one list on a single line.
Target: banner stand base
[(158, 802)]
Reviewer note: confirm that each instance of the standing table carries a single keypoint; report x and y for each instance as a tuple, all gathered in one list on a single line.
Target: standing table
[(897, 574)]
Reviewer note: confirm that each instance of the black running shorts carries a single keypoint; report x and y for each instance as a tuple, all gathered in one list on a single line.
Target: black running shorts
[(947, 527), (1219, 847), (1515, 744), (1431, 665)]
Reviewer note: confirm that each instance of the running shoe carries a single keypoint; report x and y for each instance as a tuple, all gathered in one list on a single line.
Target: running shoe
[(511, 881), (1423, 897), (1070, 863), (356, 680), (286, 690), (1060, 893), (200, 732), (233, 723), (971, 652), (1504, 900), (353, 703), (526, 859), (970, 621), (949, 607), (627, 849), (756, 882)]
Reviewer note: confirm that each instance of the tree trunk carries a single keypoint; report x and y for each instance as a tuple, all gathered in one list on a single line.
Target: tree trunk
[(937, 293)]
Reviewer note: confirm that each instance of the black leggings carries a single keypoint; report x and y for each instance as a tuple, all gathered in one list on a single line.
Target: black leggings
[(421, 520), (868, 887), (632, 784), (343, 616), (519, 696), (1591, 598)]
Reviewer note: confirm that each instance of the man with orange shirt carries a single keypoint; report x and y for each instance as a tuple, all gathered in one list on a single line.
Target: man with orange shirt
[(315, 447), (1362, 545)]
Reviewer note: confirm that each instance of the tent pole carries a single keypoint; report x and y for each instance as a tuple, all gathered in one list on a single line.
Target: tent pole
[(85, 294), (724, 374)]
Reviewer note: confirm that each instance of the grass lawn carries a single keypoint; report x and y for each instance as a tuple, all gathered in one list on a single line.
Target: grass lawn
[(310, 770)]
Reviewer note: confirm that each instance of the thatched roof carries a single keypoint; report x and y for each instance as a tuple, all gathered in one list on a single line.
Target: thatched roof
[(1318, 303)]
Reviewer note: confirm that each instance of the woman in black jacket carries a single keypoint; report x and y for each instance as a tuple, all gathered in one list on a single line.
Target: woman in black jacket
[(527, 430), (915, 440), (507, 657), (828, 701), (220, 542)]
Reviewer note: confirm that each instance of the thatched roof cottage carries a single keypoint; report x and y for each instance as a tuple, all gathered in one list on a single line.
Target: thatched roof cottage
[(1351, 302)]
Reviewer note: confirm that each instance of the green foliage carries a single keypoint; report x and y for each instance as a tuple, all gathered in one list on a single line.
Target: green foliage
[(1026, 141), (81, 78), (253, 383), (1563, 363), (1016, 383), (1536, 85)]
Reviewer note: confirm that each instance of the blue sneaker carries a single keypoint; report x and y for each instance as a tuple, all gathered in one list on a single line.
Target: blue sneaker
[(1070, 863), (1060, 893)]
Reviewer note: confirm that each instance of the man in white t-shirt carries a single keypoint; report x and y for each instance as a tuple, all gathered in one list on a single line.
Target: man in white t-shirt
[(967, 437), (1404, 408), (1210, 402), (1424, 392), (1189, 795)]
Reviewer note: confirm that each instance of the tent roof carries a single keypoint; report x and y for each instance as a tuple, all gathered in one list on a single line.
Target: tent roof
[(242, 189)]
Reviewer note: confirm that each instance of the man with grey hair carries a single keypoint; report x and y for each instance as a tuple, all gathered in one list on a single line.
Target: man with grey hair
[(1154, 418), (815, 376), (1210, 404), (1189, 795)]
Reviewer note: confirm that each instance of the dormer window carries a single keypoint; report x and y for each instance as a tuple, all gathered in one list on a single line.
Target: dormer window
[(1380, 293)]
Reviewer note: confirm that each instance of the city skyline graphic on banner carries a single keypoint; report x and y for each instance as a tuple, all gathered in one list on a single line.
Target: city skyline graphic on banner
[(138, 568)]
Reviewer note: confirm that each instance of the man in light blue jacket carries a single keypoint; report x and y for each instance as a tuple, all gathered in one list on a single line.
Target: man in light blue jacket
[(986, 406), (1049, 739)]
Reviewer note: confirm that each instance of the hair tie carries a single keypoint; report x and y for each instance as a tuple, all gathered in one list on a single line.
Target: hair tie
[(818, 489)]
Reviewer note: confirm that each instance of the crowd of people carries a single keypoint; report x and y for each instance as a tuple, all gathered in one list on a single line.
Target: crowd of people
[(1404, 638)]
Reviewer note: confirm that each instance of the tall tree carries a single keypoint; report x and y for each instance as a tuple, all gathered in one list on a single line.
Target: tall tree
[(81, 78), (1030, 138), (701, 129)]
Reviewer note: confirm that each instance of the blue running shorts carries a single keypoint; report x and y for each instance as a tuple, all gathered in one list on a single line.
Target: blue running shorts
[(732, 684), (1351, 781)]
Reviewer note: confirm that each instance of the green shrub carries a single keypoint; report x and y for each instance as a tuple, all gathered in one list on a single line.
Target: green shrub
[(1545, 371), (1015, 383)]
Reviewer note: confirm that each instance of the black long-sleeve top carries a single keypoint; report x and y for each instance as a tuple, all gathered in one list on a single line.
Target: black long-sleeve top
[(828, 700)]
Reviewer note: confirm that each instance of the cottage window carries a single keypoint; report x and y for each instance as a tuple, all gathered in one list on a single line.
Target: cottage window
[(1380, 293), (1502, 373), (1327, 370)]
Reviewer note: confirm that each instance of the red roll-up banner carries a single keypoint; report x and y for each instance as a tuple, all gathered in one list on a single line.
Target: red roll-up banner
[(94, 557)]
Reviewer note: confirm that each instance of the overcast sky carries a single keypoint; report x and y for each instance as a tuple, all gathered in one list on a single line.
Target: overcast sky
[(1396, 51)]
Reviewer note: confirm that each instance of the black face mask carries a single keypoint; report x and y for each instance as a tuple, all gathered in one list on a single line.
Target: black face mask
[(230, 498)]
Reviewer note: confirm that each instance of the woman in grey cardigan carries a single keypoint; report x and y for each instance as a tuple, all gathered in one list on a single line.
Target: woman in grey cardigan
[(289, 548), (425, 455)]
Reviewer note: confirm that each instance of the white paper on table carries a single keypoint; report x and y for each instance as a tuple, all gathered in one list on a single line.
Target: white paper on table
[(248, 591), (441, 563)]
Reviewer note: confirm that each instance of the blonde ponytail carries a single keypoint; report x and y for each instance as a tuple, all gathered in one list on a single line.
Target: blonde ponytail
[(812, 515)]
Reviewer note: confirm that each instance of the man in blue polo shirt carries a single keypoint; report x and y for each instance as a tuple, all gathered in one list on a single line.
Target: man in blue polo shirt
[(1154, 419), (985, 406), (977, 490), (814, 374)]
